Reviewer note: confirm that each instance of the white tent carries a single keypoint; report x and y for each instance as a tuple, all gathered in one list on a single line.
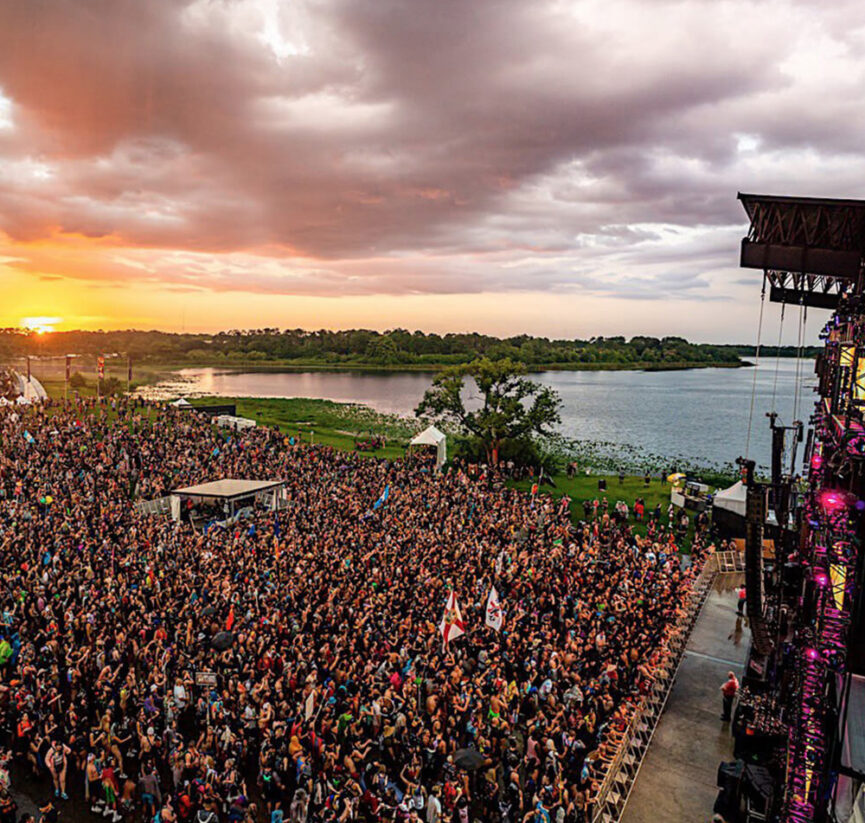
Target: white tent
[(732, 499), (181, 403), (433, 437), (229, 421), (34, 390)]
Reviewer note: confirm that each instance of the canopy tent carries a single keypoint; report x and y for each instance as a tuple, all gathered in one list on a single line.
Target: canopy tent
[(728, 511), (230, 494), (732, 499), (33, 390), (180, 403), (433, 437)]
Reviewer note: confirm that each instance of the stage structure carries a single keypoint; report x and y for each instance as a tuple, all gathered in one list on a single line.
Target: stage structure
[(221, 500), (806, 607)]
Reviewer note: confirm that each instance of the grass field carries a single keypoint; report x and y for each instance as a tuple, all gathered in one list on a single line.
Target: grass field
[(323, 421), (583, 487)]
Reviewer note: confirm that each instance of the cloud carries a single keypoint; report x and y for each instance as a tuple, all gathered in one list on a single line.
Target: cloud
[(333, 147)]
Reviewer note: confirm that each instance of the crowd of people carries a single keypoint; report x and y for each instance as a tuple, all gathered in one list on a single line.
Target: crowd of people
[(335, 697)]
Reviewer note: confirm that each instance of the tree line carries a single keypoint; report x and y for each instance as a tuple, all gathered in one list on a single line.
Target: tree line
[(397, 347)]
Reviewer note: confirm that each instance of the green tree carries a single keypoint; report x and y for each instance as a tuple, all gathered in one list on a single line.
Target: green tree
[(514, 407)]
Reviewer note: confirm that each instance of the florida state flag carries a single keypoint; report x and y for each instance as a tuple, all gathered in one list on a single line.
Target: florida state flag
[(452, 625)]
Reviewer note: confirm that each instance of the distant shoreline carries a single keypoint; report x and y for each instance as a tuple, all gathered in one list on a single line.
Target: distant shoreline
[(425, 368)]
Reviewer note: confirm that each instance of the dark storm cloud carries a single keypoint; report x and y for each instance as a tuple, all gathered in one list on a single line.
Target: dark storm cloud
[(360, 146)]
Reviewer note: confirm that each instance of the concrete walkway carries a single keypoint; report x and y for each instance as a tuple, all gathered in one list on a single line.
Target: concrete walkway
[(677, 780)]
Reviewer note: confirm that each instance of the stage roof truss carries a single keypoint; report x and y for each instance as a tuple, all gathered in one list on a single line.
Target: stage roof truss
[(810, 249)]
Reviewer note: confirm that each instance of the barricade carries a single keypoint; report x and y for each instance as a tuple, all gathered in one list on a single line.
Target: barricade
[(609, 803), (159, 505)]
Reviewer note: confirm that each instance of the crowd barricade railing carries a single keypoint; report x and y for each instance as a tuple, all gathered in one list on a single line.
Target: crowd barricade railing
[(159, 505), (609, 802)]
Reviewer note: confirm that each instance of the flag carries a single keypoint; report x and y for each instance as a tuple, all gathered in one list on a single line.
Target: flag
[(500, 563), (494, 618), (29, 437), (534, 489), (452, 625), (100, 367), (128, 369), (28, 369), (68, 366), (309, 705), (230, 621), (383, 498), (276, 537)]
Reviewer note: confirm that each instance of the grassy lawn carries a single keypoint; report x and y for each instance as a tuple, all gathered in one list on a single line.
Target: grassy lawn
[(582, 487), (325, 422)]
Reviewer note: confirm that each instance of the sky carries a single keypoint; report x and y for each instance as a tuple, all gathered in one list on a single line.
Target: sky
[(558, 168)]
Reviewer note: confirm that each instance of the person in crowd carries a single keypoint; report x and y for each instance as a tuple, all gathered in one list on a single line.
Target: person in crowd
[(336, 698)]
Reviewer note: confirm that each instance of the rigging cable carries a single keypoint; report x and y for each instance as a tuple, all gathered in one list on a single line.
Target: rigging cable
[(778, 356), (756, 365), (797, 392)]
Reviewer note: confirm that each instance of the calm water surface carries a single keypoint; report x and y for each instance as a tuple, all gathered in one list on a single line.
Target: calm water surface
[(700, 415)]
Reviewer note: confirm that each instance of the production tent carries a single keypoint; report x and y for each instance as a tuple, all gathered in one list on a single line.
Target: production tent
[(728, 511), (732, 499), (181, 403), (433, 437), (229, 494), (34, 390)]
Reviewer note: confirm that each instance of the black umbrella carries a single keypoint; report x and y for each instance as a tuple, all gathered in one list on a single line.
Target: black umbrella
[(469, 759), (222, 641), (207, 611)]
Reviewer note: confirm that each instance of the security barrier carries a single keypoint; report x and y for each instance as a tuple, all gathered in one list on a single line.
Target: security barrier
[(609, 803)]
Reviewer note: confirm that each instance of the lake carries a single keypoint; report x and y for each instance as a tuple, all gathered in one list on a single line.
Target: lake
[(697, 415)]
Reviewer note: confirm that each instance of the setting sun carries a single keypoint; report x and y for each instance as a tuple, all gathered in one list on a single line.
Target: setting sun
[(41, 325)]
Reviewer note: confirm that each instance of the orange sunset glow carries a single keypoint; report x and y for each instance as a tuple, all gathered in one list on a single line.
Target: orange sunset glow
[(41, 325), (296, 164)]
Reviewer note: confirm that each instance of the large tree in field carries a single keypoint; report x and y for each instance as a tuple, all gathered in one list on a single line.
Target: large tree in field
[(514, 407)]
